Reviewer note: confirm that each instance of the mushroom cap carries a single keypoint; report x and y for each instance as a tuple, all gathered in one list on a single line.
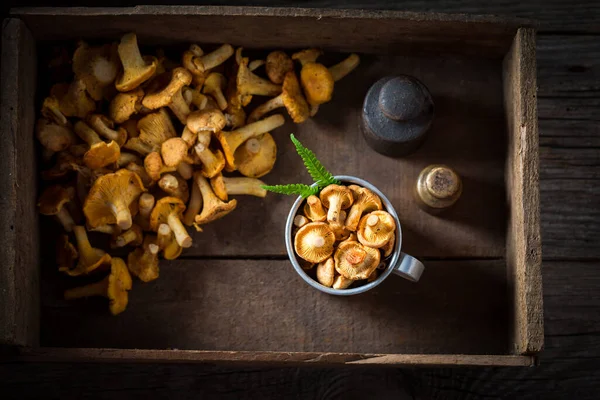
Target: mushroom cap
[(355, 261), (355, 190), (341, 282), (313, 209), (211, 120), (364, 201), (326, 272), (97, 67), (173, 151), (73, 99), (388, 248), (218, 186), (100, 261), (128, 80), (343, 192), (173, 249), (277, 65), (307, 55), (160, 91), (376, 228), (293, 100), (314, 242), (257, 156), (215, 80), (143, 264), (156, 127), (53, 199), (163, 208), (52, 136), (66, 254), (119, 282), (317, 83), (124, 105), (102, 154), (340, 232), (122, 185)]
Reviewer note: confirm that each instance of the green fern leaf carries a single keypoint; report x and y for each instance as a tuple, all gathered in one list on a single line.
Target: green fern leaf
[(317, 171), (293, 189)]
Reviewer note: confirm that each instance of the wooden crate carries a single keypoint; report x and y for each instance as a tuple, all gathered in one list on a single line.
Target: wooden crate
[(235, 297)]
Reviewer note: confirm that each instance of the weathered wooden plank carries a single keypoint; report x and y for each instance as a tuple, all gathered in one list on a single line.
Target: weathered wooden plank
[(553, 15), (252, 305), (19, 276), (523, 242), (568, 66)]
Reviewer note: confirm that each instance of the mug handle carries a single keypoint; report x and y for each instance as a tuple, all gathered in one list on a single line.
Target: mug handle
[(408, 267)]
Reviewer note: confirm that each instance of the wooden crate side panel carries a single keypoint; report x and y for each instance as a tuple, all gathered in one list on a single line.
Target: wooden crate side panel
[(522, 175), (256, 27), (19, 274), (266, 357)]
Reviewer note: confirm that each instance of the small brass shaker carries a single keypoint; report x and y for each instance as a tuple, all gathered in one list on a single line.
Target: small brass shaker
[(438, 188)]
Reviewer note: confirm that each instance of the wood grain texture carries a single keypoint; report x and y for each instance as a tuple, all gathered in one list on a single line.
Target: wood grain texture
[(19, 283), (389, 31), (460, 308), (552, 15), (522, 176)]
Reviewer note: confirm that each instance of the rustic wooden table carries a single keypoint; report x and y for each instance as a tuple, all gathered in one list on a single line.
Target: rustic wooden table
[(568, 100)]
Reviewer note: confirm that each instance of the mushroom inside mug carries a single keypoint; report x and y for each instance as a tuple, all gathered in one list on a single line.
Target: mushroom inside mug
[(392, 260)]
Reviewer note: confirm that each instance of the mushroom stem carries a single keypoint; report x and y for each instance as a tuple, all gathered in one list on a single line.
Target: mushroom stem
[(65, 219), (86, 252), (86, 133), (194, 205), (141, 172), (207, 157), (343, 68), (265, 108), (189, 137), (146, 204), (103, 126), (129, 53), (372, 220), (163, 236), (125, 238), (181, 234), (240, 135), (51, 110), (335, 206), (185, 170), (108, 229), (216, 57), (180, 107), (121, 213), (255, 64), (341, 282), (138, 146), (246, 186), (127, 158), (300, 221), (93, 289), (153, 249)]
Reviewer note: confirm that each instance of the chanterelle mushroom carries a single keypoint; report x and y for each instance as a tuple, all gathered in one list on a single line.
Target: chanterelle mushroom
[(115, 287), (313, 209), (132, 236), (388, 247), (145, 206), (169, 210), (230, 141), (155, 167), (314, 242), (257, 156), (326, 272), (66, 254), (104, 127), (155, 128), (143, 262), (214, 85), (224, 186), (110, 198), (52, 136), (291, 98), (195, 204), (249, 83), (336, 198), (213, 208), (366, 201), (97, 67), (166, 91), (136, 69), (90, 258), (175, 186), (278, 65), (175, 151), (316, 79), (73, 99), (355, 261), (167, 243), (212, 162), (100, 153), (211, 120), (124, 105), (53, 201), (376, 229), (341, 282), (344, 67), (51, 111)]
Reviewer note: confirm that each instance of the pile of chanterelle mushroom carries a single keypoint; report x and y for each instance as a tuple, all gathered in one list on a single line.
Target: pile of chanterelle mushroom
[(345, 232), (139, 143)]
